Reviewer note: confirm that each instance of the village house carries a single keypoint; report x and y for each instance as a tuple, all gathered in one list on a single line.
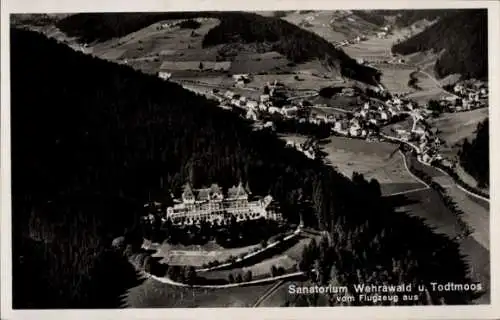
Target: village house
[(264, 98), (263, 107), (251, 115), (289, 111), (243, 76), (348, 92), (229, 94), (383, 116), (251, 104), (273, 109), (164, 75)]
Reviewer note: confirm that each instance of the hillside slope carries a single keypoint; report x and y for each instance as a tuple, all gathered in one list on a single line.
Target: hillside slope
[(92, 141), (462, 38), (296, 44), (475, 155)]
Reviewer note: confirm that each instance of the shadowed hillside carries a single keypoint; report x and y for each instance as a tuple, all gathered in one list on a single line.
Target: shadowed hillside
[(297, 44), (92, 141), (462, 37), (475, 155)]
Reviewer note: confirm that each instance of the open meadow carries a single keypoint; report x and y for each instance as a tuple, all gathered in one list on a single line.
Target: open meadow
[(319, 23), (154, 294), (395, 78), (422, 97), (375, 160), (455, 127)]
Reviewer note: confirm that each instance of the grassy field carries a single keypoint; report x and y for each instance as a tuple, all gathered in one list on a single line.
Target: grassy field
[(395, 79), (255, 62), (374, 160), (422, 97), (373, 49), (319, 25), (455, 127), (304, 82), (154, 294), (198, 255), (378, 160)]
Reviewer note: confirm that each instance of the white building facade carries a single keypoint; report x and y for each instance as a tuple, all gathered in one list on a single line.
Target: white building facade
[(210, 204)]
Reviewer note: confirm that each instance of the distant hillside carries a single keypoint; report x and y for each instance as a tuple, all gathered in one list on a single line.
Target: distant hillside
[(372, 16), (92, 141), (463, 37), (404, 18), (296, 44)]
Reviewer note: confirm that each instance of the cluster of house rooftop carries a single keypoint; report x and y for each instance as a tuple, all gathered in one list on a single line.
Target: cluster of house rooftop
[(469, 95), (212, 205)]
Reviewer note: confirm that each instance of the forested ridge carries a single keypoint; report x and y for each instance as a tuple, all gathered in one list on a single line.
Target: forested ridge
[(475, 155), (297, 44), (93, 141), (462, 35), (406, 18)]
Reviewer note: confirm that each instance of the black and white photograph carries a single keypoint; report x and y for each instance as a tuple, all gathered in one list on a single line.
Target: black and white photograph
[(249, 158)]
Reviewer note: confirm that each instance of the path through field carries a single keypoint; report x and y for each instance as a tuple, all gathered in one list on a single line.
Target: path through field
[(268, 293)]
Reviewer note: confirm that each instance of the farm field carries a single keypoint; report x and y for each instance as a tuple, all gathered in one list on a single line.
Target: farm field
[(375, 160), (304, 82), (378, 160), (424, 96), (258, 62), (395, 79), (319, 24), (154, 294), (150, 41), (198, 255), (373, 49), (455, 127)]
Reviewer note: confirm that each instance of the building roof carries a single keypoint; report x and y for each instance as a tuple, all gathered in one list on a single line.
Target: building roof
[(203, 194), (237, 191), (188, 192)]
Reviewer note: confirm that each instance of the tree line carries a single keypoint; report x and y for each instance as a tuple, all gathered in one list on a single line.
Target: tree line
[(475, 155)]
